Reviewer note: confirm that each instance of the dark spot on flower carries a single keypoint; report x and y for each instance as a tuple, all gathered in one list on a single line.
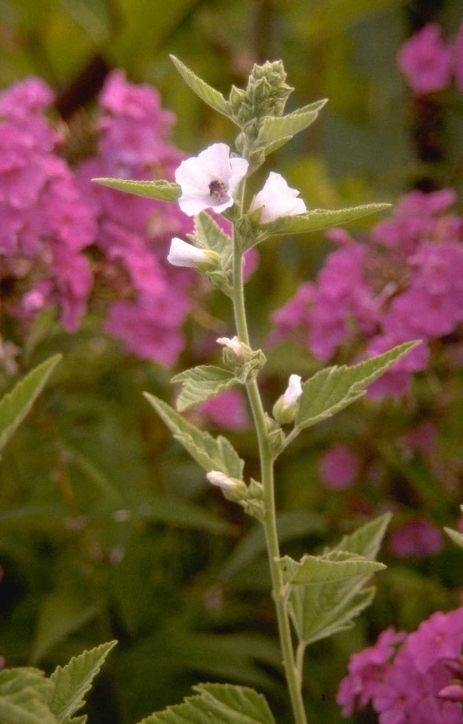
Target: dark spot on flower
[(218, 190)]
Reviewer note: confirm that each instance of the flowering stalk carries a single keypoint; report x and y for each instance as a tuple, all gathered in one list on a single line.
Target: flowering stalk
[(293, 675)]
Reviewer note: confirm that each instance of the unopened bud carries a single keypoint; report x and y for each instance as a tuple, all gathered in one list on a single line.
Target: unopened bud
[(285, 408), (233, 350), (232, 488)]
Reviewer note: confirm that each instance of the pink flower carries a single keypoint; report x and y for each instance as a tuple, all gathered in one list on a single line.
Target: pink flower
[(227, 410), (210, 180), (439, 637), (426, 60), (339, 467), (458, 58), (416, 539)]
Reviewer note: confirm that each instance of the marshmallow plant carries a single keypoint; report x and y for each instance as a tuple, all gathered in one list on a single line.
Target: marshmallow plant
[(317, 595)]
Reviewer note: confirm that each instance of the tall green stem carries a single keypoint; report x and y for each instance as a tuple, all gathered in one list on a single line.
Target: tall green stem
[(267, 479)]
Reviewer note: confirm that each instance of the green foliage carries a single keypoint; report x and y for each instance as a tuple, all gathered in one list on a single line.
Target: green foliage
[(73, 681), (202, 383), (160, 190), (211, 453), (224, 703), (16, 404), (318, 219), (209, 95), (329, 605), (28, 697)]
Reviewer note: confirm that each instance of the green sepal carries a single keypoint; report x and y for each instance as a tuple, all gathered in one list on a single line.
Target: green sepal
[(209, 452), (202, 383), (219, 703), (273, 128), (209, 95), (318, 219), (15, 405), (334, 388), (72, 682), (333, 566), (160, 190), (209, 236), (319, 610)]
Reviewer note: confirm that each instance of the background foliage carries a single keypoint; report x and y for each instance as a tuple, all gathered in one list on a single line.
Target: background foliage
[(107, 529)]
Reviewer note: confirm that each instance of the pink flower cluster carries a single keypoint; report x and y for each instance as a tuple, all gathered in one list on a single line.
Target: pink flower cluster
[(66, 242), (410, 679), (406, 283), (429, 63)]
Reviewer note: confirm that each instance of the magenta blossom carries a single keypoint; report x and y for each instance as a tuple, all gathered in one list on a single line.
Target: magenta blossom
[(426, 60)]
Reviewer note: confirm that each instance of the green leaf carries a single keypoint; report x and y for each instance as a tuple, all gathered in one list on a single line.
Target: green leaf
[(274, 128), (456, 536), (334, 388), (202, 383), (321, 609), (208, 235), (209, 452), (16, 404), (73, 681), (24, 697), (319, 219), (161, 190), (218, 703), (336, 566), (209, 95), (60, 615)]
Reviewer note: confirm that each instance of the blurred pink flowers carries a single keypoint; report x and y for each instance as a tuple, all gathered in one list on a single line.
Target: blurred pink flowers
[(426, 60)]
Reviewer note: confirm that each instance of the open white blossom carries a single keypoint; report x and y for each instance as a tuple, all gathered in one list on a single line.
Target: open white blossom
[(183, 254), (277, 199), (293, 391), (210, 180)]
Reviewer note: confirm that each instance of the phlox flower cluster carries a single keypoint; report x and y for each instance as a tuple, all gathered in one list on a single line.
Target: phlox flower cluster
[(410, 678), (66, 242), (404, 283), (429, 63), (46, 224)]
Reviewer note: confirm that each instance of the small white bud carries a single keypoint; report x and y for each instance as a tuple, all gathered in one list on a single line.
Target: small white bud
[(285, 408), (233, 347), (233, 488), (293, 390), (183, 254)]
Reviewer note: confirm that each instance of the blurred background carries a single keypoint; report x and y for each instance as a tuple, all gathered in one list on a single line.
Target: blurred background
[(107, 529)]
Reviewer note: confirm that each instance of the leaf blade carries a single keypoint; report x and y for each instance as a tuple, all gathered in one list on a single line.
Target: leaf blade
[(318, 219), (160, 190), (209, 95)]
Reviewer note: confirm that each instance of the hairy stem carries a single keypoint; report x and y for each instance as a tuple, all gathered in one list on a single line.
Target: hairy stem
[(293, 676)]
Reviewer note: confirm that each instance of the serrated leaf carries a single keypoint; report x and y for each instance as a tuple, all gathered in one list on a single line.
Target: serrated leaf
[(338, 566), (320, 219), (16, 404), (318, 610), (218, 703), (334, 388), (209, 452), (202, 383), (209, 95), (455, 535), (209, 235), (72, 682), (24, 697), (274, 128), (366, 540), (160, 190)]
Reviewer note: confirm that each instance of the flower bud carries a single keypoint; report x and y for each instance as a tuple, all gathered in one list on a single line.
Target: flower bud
[(183, 254), (232, 488), (233, 350), (285, 408)]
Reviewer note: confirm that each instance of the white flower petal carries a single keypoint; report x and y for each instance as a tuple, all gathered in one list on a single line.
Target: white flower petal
[(210, 180), (277, 199), (293, 391), (183, 254)]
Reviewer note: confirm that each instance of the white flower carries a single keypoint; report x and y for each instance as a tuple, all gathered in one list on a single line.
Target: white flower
[(285, 408), (183, 254), (233, 345), (293, 391), (210, 180), (277, 199)]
